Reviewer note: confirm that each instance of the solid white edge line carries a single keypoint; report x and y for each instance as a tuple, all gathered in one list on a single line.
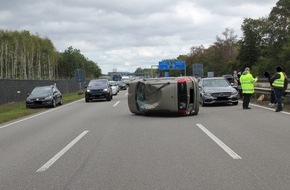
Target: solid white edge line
[(272, 109), (219, 142), (39, 114), (116, 103), (266, 108), (60, 153)]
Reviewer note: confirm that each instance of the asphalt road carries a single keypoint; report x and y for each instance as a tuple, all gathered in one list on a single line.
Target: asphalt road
[(101, 145)]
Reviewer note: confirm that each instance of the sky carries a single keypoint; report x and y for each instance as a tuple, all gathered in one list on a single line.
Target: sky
[(122, 35)]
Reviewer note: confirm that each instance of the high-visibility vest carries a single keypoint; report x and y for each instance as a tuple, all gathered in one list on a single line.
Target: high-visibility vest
[(247, 83), (279, 82)]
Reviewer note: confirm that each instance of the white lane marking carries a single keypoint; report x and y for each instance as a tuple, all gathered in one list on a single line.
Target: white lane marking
[(263, 107), (116, 103), (60, 153), (266, 108), (42, 113), (27, 118), (219, 142)]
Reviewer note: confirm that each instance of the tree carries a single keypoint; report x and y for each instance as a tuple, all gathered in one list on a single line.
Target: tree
[(23, 56), (219, 56), (250, 43), (71, 60), (279, 20), (27, 56)]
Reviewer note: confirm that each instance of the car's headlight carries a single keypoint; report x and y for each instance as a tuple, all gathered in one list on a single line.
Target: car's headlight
[(106, 90), (88, 90), (234, 92), (48, 98), (206, 93)]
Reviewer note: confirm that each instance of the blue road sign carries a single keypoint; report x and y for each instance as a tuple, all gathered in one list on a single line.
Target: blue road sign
[(178, 65), (164, 65)]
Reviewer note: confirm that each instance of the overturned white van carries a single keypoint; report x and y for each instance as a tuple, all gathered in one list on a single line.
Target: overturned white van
[(178, 95)]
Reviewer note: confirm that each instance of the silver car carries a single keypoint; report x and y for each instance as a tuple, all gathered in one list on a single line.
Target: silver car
[(217, 90), (115, 87)]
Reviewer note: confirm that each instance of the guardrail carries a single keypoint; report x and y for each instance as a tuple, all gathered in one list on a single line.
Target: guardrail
[(268, 91), (263, 79)]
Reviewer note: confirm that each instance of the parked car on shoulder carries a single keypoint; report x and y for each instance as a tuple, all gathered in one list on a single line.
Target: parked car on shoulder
[(178, 95), (44, 96), (217, 90), (98, 89)]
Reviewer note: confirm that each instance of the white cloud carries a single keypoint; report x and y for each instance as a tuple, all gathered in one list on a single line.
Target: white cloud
[(127, 34)]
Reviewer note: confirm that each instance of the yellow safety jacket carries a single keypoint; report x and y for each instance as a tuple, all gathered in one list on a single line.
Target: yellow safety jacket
[(279, 83), (247, 83)]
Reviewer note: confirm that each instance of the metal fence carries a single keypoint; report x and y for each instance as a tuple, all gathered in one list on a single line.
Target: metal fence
[(17, 90), (267, 91)]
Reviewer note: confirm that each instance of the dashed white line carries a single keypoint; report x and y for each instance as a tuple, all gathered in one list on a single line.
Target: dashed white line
[(60, 153), (219, 142), (116, 103)]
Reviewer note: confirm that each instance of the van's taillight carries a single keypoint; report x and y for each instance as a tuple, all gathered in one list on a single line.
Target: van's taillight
[(183, 80)]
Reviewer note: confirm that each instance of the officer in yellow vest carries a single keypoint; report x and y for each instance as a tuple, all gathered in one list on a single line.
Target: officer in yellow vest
[(247, 83), (277, 82)]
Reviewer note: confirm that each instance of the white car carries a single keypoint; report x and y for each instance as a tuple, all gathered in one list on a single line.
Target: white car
[(115, 87)]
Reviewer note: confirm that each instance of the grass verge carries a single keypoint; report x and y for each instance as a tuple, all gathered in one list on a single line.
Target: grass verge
[(17, 110)]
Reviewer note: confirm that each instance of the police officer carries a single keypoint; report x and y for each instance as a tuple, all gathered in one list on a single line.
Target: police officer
[(247, 83), (277, 82)]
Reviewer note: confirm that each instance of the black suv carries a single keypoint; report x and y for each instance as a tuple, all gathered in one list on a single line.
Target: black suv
[(98, 89)]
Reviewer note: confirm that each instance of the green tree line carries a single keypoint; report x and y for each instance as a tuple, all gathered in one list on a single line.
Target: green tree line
[(265, 44), (27, 56)]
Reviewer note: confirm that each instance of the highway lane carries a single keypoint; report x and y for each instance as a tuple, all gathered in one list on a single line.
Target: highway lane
[(26, 145), (119, 150), (261, 138)]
